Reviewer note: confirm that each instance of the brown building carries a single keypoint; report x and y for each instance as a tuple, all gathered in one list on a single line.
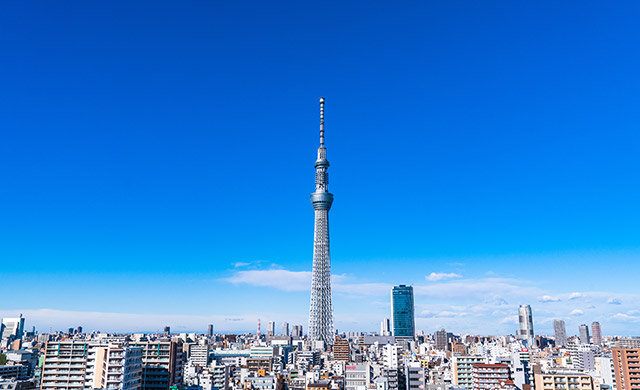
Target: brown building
[(459, 348), (341, 349), (259, 364), (626, 365), (563, 381)]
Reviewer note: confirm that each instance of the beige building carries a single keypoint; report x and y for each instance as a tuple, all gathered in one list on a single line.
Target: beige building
[(563, 381)]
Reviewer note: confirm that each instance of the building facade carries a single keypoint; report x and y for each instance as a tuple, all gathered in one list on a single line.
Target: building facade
[(525, 319), (626, 367), (596, 333), (402, 312), (560, 333)]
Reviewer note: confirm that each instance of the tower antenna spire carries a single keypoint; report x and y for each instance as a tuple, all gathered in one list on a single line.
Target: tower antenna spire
[(321, 122)]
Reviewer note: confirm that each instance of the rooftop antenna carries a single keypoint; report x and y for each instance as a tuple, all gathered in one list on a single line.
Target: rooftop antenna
[(321, 122)]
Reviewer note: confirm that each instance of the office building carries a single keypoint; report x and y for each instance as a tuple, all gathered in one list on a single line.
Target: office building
[(285, 329), (560, 331), (584, 334), (385, 327), (12, 328), (357, 377), (525, 319), (596, 336), (297, 331), (441, 339), (271, 328), (167, 330), (626, 367), (402, 312), (321, 309), (199, 355), (210, 330)]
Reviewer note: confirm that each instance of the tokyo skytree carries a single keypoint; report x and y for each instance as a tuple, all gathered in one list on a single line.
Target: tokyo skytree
[(321, 310)]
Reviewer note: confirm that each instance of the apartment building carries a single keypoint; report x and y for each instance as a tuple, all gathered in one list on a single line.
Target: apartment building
[(563, 381), (491, 376), (626, 366)]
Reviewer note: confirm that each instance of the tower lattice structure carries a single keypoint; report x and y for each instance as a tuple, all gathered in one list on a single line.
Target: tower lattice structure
[(321, 309)]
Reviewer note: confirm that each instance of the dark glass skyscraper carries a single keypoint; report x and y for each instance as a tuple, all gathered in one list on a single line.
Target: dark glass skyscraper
[(402, 312)]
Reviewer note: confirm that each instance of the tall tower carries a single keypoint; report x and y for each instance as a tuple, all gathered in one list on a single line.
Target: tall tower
[(560, 331), (526, 325), (321, 310), (596, 333), (403, 312)]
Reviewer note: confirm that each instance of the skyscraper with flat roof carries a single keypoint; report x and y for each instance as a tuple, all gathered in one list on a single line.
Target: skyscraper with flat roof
[(402, 312), (596, 333), (560, 331), (12, 327), (584, 334)]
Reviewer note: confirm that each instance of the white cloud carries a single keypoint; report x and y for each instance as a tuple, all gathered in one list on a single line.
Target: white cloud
[(509, 320), (277, 278), (576, 312), (471, 289), (434, 277), (614, 301), (576, 295), (548, 298)]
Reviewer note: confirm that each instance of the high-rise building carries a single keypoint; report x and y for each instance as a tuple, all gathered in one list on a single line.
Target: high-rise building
[(560, 331), (321, 309), (596, 335), (626, 366), (285, 329), (402, 312), (167, 330), (584, 334), (162, 364), (79, 364), (271, 329), (525, 318), (441, 339), (385, 327), (296, 331), (12, 327), (210, 330)]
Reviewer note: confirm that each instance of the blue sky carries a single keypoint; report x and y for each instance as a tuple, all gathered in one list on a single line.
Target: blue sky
[(157, 161)]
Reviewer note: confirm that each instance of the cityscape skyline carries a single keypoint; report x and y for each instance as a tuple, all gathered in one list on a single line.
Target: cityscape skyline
[(135, 157)]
